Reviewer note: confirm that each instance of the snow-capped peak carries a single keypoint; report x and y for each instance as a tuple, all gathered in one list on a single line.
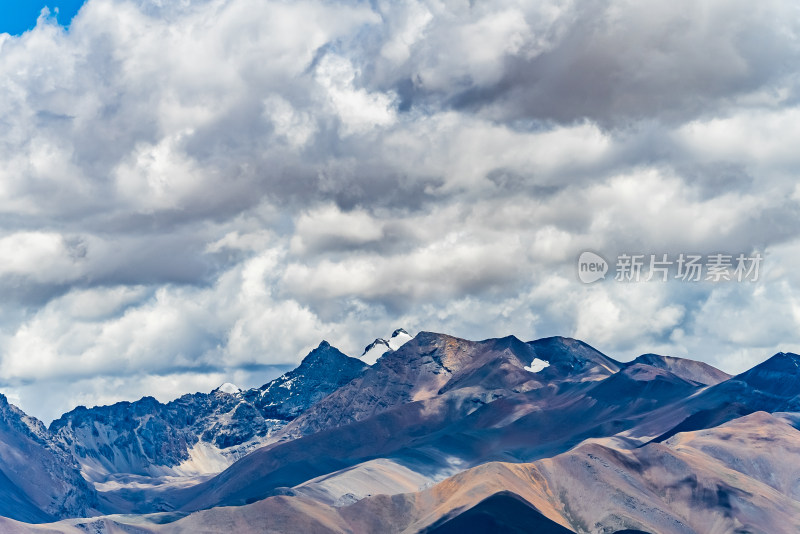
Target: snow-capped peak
[(229, 388), (399, 338), (537, 365), (380, 346), (375, 350)]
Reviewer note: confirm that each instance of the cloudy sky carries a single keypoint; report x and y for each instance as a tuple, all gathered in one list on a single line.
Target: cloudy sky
[(199, 191)]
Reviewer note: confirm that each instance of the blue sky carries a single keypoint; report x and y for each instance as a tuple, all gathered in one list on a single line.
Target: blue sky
[(18, 16)]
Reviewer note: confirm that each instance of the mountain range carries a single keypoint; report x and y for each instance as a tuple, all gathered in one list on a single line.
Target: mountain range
[(431, 434)]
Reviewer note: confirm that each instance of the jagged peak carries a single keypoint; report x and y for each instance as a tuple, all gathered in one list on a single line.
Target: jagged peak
[(324, 351), (380, 346), (229, 388), (378, 341)]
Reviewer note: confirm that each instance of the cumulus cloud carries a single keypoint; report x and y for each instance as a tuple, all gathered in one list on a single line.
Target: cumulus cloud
[(621, 61), (197, 192)]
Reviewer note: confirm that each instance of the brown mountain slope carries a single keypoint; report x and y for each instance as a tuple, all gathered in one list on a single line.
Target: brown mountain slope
[(733, 478), (739, 477)]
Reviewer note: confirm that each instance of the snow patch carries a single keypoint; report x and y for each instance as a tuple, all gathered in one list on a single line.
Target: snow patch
[(537, 365), (288, 384), (229, 388)]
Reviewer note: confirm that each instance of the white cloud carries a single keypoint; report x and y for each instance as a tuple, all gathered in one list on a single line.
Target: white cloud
[(409, 20), (159, 177), (358, 109), (763, 138), (625, 315), (193, 190), (328, 227), (296, 127), (41, 257)]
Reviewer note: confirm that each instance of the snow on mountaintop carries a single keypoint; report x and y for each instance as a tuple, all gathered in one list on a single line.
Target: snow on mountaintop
[(229, 388), (375, 350), (399, 338), (380, 346)]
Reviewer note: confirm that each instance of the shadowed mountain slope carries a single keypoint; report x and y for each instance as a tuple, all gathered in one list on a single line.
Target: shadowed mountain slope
[(771, 386), (39, 481), (501, 513)]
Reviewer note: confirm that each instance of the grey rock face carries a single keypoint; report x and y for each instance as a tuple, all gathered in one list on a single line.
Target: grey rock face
[(146, 436), (323, 371)]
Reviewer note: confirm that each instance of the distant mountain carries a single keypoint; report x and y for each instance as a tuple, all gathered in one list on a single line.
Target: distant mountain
[(771, 386), (573, 360), (778, 377), (432, 364), (197, 433), (39, 481), (699, 372), (381, 346), (442, 434), (439, 402), (418, 369)]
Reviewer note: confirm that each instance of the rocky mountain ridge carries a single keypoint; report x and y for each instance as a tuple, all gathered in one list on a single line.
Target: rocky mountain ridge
[(444, 433), (197, 433)]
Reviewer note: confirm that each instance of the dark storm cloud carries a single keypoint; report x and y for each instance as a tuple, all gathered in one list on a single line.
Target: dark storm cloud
[(617, 63)]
